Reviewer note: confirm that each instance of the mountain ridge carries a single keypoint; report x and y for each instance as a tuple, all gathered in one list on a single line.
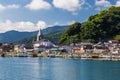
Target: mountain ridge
[(12, 36)]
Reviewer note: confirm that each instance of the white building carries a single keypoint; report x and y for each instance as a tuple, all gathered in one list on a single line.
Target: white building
[(42, 44)]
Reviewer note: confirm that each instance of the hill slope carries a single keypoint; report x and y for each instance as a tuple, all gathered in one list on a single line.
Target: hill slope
[(54, 37), (13, 36), (100, 27)]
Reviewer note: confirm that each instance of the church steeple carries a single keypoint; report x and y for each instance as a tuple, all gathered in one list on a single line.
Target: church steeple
[(39, 35)]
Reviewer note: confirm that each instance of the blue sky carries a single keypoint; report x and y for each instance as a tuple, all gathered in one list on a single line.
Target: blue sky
[(27, 15)]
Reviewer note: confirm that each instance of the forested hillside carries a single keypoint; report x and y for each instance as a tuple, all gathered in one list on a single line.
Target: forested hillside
[(100, 27)]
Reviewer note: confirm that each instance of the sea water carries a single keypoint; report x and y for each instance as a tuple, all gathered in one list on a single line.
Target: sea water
[(58, 69)]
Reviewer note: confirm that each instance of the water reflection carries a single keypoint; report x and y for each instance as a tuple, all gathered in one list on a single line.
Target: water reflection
[(57, 69)]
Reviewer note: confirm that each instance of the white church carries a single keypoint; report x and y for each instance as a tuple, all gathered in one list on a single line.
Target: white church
[(42, 44)]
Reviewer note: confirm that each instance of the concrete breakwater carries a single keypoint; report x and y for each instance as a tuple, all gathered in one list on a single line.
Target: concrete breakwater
[(94, 56)]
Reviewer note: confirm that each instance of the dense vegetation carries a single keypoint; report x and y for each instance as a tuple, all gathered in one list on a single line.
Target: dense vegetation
[(100, 27), (72, 34)]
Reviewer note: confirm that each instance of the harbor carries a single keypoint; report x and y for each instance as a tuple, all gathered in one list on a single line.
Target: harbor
[(44, 48), (64, 56)]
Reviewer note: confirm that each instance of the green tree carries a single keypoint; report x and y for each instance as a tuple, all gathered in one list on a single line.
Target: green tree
[(104, 25), (72, 34)]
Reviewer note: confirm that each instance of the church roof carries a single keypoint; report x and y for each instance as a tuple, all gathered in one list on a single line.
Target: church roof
[(41, 42), (44, 42)]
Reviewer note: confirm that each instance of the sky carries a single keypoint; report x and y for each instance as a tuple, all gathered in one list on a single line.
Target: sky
[(28, 15)]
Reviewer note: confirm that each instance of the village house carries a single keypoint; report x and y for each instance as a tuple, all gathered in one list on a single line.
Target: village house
[(7, 47), (82, 48), (114, 47), (100, 48), (20, 48)]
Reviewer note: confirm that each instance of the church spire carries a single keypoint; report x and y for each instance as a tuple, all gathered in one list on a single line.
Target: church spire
[(39, 35)]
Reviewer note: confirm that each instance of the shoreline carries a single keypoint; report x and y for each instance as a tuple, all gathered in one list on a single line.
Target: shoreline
[(66, 57)]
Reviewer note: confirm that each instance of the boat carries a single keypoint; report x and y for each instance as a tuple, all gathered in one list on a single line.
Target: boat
[(2, 55), (86, 56), (95, 55), (51, 55), (24, 54)]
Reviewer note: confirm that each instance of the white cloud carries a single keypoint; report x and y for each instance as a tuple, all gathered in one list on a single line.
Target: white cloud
[(21, 26), (1, 7), (69, 5), (13, 6), (42, 24), (101, 4), (38, 5), (24, 26), (118, 3)]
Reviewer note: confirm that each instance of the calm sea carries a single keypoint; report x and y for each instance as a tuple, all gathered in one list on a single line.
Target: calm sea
[(58, 69)]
